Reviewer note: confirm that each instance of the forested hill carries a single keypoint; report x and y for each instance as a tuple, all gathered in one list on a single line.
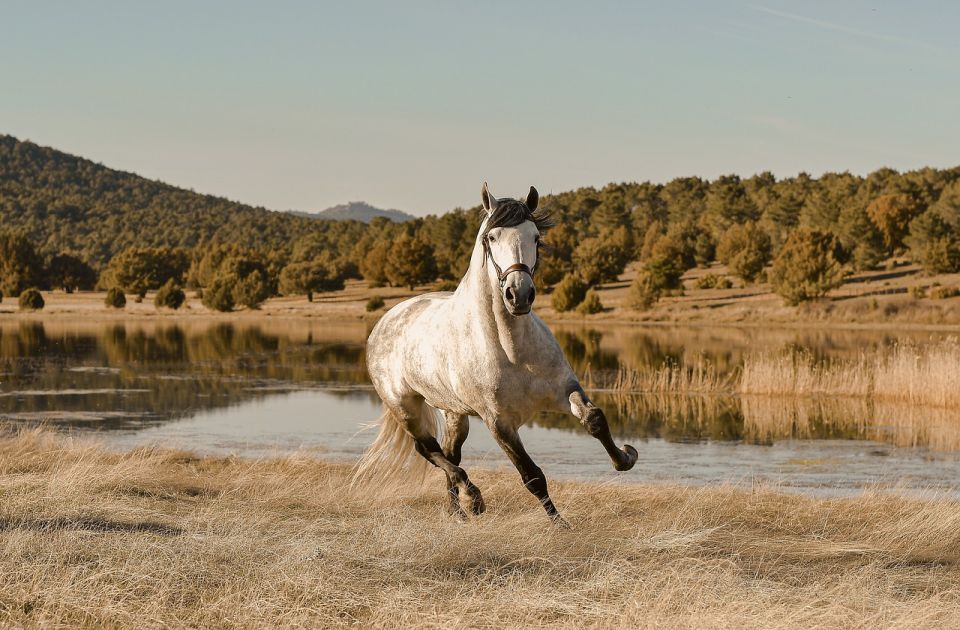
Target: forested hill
[(67, 203)]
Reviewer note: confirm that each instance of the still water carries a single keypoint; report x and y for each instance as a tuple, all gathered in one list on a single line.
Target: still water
[(273, 387)]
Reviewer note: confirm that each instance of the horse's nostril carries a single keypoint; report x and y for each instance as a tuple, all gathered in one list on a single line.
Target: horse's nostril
[(533, 294), (510, 295)]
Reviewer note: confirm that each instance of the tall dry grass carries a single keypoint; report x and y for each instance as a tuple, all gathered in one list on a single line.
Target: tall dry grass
[(906, 373), (90, 538)]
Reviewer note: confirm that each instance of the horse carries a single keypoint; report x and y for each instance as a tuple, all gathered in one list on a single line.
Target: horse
[(477, 351)]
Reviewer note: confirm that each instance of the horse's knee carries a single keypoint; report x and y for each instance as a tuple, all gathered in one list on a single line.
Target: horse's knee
[(534, 480)]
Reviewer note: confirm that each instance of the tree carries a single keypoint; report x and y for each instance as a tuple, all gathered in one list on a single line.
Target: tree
[(602, 258), (727, 204), (644, 291), (569, 293), (20, 265), (305, 278), (252, 289), (410, 262), (169, 295), (591, 304), (808, 266), (69, 273), (892, 215), (140, 269), (373, 267), (745, 249), (934, 241), (219, 294)]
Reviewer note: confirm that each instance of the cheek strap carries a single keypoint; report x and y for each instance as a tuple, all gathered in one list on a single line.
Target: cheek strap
[(503, 273)]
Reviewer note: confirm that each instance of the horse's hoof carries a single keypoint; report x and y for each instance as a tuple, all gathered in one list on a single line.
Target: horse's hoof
[(559, 522), (628, 457), (478, 506)]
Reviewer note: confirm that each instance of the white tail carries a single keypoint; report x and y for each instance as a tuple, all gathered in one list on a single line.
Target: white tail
[(392, 457)]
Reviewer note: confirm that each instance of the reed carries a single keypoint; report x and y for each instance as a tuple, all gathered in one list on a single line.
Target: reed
[(93, 538)]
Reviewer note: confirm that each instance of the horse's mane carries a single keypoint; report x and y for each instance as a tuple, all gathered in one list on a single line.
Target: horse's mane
[(513, 212)]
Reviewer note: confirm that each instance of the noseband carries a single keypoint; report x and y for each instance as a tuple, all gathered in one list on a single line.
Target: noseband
[(503, 273)]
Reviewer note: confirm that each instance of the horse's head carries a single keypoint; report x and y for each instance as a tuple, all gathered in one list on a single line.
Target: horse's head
[(511, 242)]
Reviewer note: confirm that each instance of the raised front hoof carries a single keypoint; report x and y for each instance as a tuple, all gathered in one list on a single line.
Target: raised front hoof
[(625, 458)]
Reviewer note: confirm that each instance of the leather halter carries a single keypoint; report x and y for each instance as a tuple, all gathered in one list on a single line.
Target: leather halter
[(503, 273)]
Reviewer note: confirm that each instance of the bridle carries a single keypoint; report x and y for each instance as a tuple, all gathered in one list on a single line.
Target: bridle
[(503, 273)]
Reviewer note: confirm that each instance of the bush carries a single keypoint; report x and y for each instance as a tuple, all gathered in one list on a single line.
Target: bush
[(745, 249), (115, 298), (944, 293), (709, 281), (219, 295), (724, 283), (375, 303), (644, 292), (169, 296), (808, 266), (591, 304), (251, 290), (569, 293), (918, 292), (31, 300)]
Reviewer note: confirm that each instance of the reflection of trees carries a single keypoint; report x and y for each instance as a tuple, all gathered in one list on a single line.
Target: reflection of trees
[(181, 372)]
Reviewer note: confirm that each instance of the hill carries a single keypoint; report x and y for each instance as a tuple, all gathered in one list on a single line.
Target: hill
[(68, 203), (356, 211)]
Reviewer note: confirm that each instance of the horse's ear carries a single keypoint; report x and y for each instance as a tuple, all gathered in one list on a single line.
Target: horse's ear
[(489, 201), (533, 198)]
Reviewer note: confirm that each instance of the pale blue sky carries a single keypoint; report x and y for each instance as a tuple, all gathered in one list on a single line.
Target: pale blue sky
[(412, 105)]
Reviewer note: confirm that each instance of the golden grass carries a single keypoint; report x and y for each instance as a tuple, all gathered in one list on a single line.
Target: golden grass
[(907, 373), (153, 538), (700, 377)]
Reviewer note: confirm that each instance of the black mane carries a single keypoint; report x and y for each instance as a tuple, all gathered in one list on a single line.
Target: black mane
[(512, 212)]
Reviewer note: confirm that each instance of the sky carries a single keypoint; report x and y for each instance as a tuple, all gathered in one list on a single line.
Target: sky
[(413, 105)]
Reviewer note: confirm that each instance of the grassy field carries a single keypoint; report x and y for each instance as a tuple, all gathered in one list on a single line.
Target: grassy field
[(883, 298), (152, 538)]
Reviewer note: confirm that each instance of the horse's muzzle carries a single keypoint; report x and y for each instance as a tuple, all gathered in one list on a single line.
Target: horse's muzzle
[(519, 297)]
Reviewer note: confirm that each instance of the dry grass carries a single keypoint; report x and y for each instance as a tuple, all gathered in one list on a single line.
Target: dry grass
[(152, 538), (699, 377), (917, 375)]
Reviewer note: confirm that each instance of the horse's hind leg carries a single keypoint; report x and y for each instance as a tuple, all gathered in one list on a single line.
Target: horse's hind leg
[(531, 475), (427, 445), (455, 430)]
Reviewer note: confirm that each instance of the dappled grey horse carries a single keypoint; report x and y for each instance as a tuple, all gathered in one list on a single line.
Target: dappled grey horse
[(477, 351)]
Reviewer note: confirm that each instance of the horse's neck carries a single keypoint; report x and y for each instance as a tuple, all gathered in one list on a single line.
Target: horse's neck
[(479, 301)]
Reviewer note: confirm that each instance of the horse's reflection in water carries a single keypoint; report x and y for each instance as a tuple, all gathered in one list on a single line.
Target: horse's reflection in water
[(477, 351)]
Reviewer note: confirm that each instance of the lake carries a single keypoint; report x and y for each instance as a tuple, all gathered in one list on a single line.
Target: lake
[(279, 386)]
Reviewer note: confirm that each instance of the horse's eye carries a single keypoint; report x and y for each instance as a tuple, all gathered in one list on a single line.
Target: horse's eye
[(491, 238)]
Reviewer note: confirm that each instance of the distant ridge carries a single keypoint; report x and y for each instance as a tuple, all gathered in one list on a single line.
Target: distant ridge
[(355, 211)]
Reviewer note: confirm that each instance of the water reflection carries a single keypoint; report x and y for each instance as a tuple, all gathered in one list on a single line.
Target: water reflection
[(134, 374)]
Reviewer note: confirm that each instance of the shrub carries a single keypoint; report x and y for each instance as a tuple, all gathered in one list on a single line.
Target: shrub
[(708, 281), (252, 289), (375, 303), (918, 292), (944, 293), (724, 283), (569, 293), (745, 249), (306, 278), (115, 298), (807, 267), (644, 292), (31, 300), (169, 296), (591, 304), (219, 295)]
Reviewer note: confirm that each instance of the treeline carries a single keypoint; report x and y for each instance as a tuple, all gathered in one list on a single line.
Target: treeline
[(75, 224)]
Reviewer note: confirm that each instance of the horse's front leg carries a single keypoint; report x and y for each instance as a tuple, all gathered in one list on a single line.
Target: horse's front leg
[(593, 420), (509, 440)]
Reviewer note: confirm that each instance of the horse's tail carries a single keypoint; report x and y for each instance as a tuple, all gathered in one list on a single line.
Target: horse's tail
[(393, 456)]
